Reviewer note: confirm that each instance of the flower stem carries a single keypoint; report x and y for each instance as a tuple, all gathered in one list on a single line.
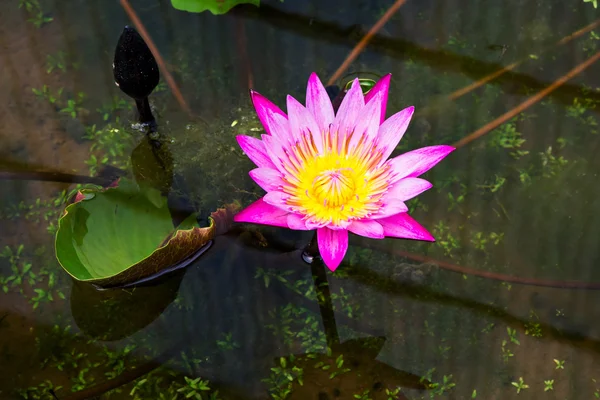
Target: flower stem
[(145, 113), (323, 294)]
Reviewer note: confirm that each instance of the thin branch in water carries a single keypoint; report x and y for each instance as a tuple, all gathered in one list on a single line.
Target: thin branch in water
[(397, 48), (487, 274), (242, 46), (527, 103), (373, 245), (364, 41), (106, 175), (52, 177), (126, 377), (461, 92)]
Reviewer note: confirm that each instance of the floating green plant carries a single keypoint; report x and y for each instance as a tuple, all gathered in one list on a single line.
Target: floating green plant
[(214, 6), (366, 85), (348, 370), (121, 235)]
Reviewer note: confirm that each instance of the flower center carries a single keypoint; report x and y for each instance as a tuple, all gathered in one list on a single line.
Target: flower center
[(334, 188)]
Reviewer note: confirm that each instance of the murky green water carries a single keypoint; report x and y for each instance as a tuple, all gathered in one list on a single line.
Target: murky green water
[(519, 201)]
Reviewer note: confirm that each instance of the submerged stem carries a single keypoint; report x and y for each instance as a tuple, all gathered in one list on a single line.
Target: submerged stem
[(311, 251), (145, 112), (319, 276)]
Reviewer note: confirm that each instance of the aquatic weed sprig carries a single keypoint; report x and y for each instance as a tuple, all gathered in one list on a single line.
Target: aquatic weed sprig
[(34, 9)]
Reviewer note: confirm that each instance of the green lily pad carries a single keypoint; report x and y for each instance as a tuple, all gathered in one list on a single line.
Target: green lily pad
[(124, 234), (216, 7)]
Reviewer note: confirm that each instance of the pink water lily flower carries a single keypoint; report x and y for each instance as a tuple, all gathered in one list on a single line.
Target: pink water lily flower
[(330, 171)]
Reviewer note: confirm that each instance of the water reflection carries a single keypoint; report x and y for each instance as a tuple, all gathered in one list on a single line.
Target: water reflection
[(117, 314)]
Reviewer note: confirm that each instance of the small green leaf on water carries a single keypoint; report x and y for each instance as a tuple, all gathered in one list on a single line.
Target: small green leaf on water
[(216, 7), (366, 85)]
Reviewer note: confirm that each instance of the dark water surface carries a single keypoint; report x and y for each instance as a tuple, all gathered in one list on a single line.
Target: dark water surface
[(522, 200)]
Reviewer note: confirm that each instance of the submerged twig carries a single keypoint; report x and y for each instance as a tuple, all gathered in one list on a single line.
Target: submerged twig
[(464, 270), (488, 274), (567, 334), (242, 46), (527, 103), (401, 49), (53, 177), (382, 284), (365, 40), (126, 377), (133, 374), (161, 62), (106, 176), (461, 92)]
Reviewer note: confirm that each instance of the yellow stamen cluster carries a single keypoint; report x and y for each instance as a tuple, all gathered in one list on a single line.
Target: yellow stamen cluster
[(337, 185)]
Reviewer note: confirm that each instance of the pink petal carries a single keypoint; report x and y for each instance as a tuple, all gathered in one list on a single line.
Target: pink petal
[(407, 188), (382, 86), (391, 207), (260, 212), (367, 125), (267, 178), (349, 111), (274, 149), (332, 246), (302, 122), (266, 111), (392, 130), (255, 150), (296, 222), (278, 199), (368, 228), (404, 226), (318, 103), (280, 128), (419, 161)]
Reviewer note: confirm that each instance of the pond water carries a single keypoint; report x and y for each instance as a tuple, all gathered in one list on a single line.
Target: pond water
[(488, 311)]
